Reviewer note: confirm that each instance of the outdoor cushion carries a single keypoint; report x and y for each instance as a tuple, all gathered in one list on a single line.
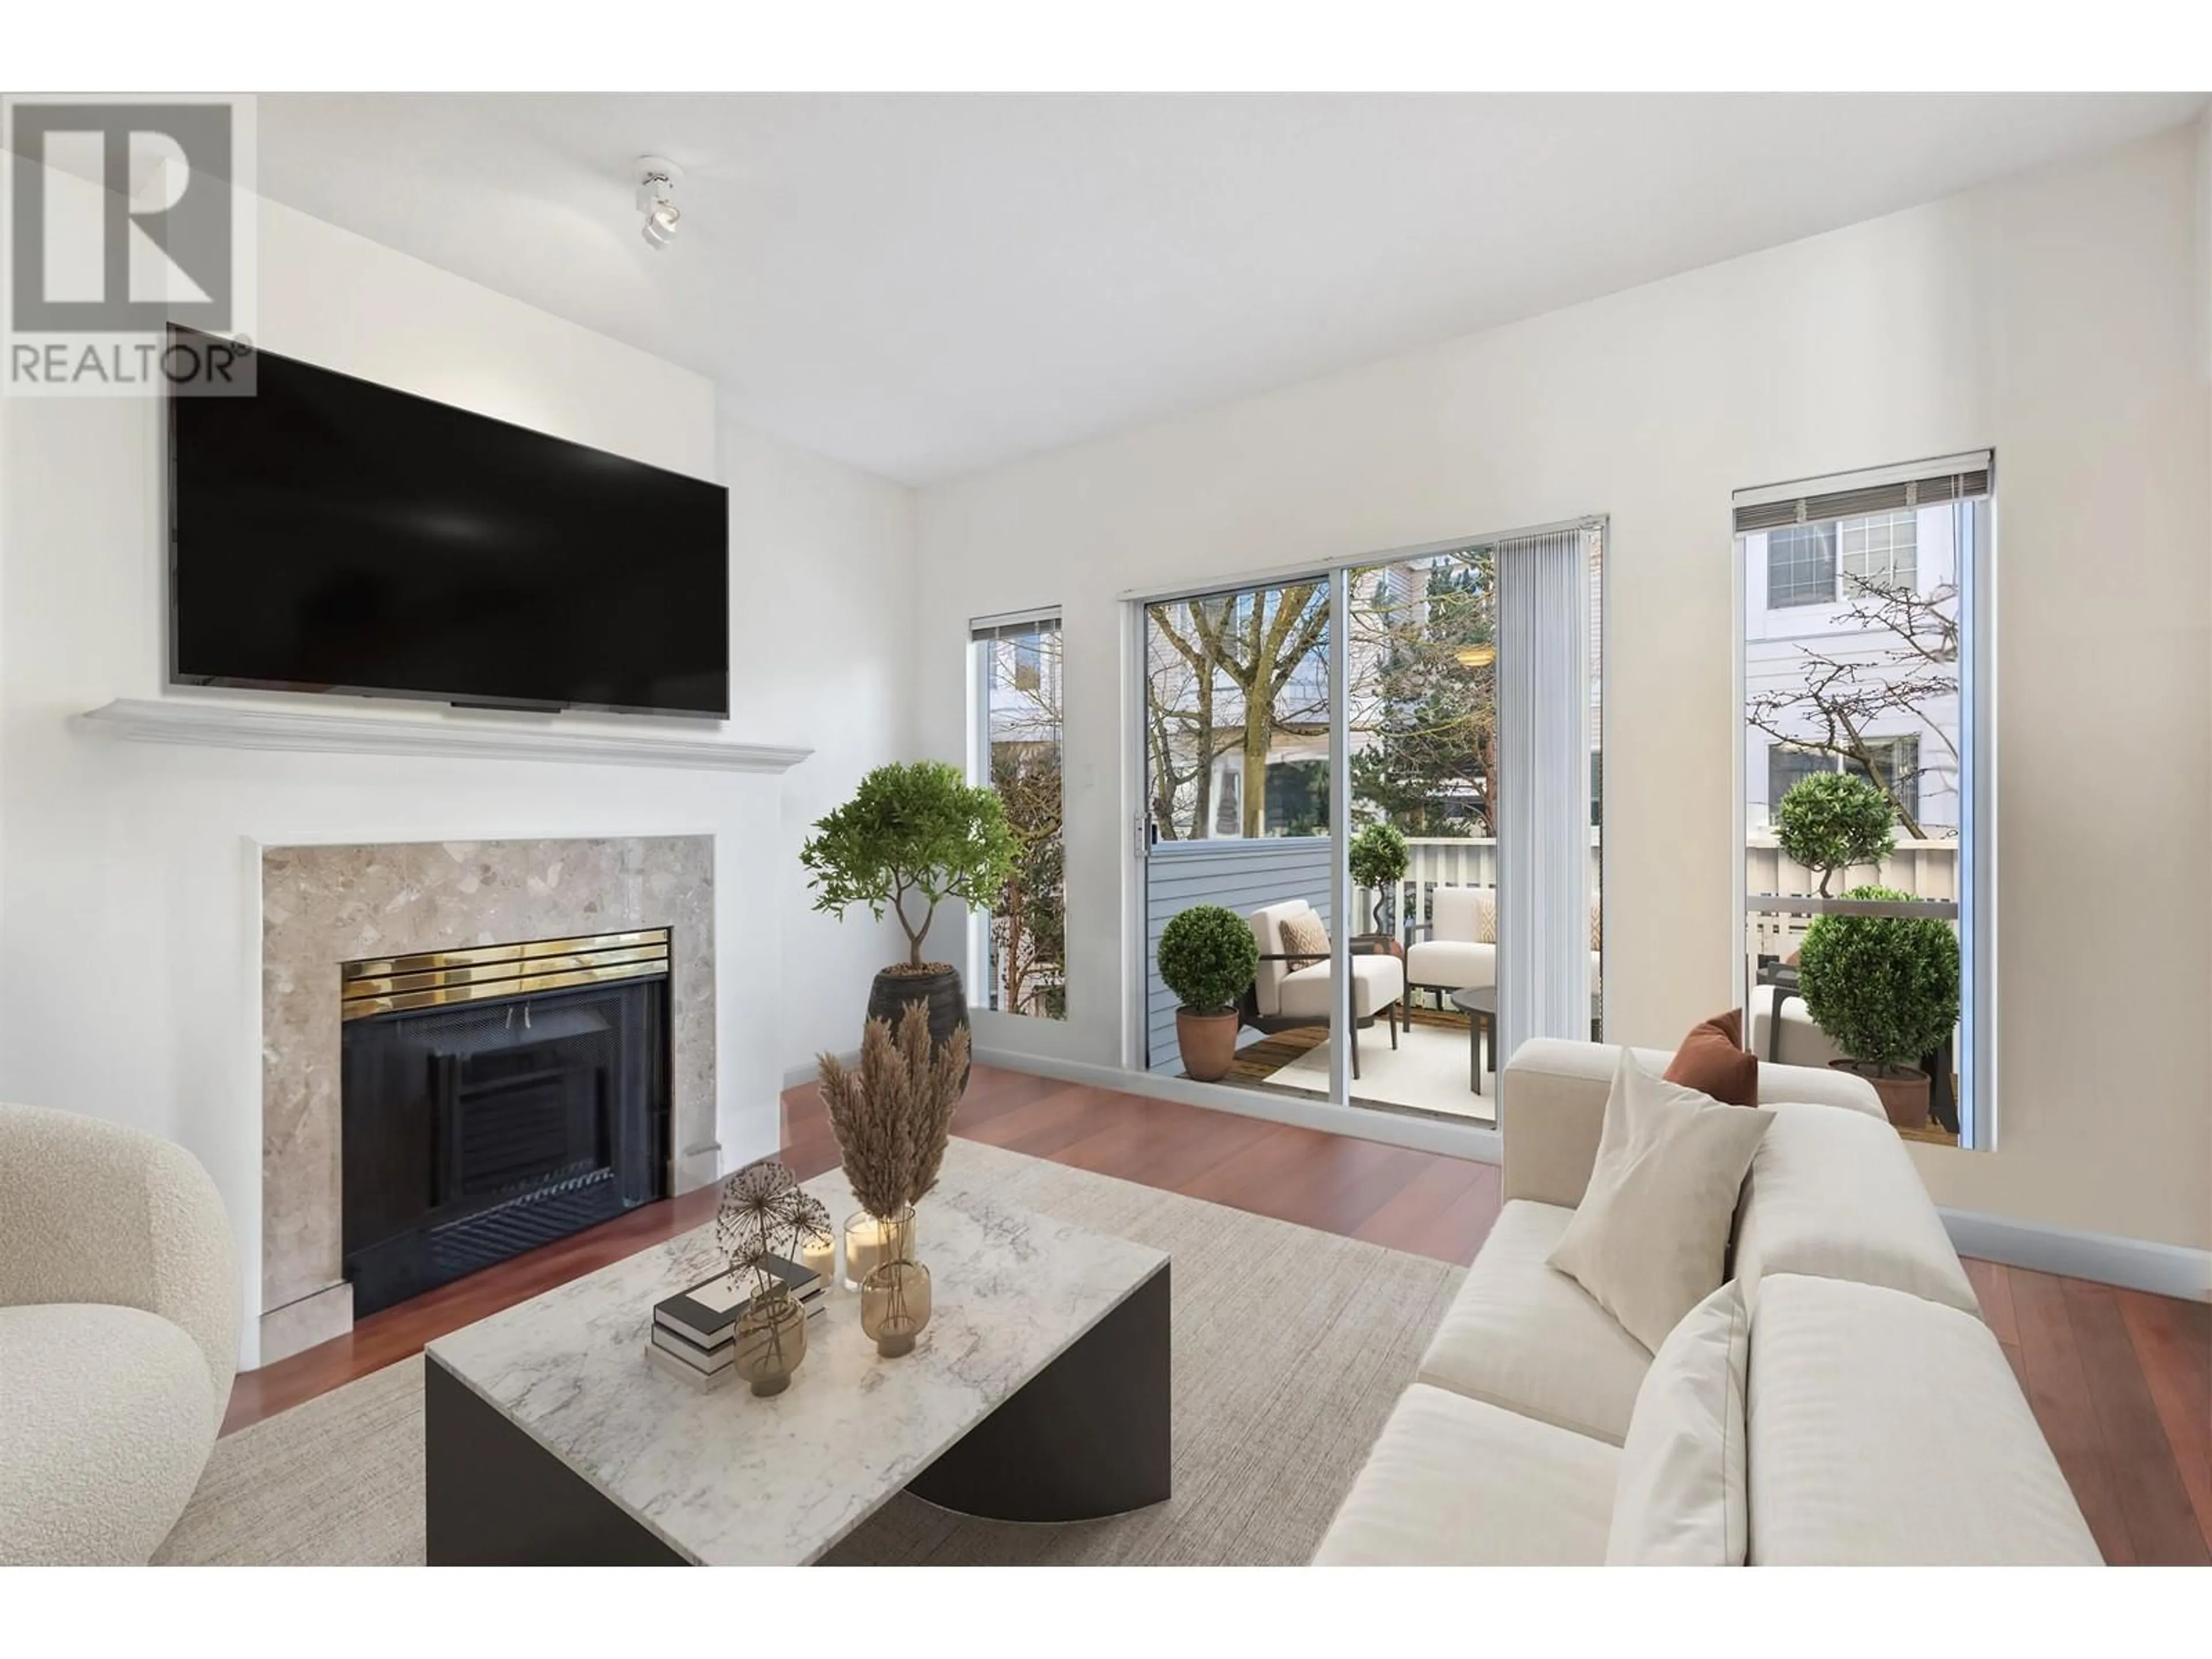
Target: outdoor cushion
[(1267, 933), (1455, 1482), (1377, 983), (1455, 965), (1522, 1335), (1465, 916), (1304, 936)]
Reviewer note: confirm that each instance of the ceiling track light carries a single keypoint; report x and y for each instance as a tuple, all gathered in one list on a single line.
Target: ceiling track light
[(656, 199)]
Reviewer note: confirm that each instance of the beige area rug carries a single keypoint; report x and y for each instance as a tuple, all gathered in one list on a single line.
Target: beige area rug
[(1291, 1347), (1427, 1071)]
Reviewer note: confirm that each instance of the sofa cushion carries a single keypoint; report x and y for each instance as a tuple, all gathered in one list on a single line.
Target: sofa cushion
[(1455, 1482), (1681, 1499), (1455, 965), (1834, 1194), (1711, 1060), (1650, 1240), (1522, 1335), (109, 1414), (1888, 1430), (1553, 1091)]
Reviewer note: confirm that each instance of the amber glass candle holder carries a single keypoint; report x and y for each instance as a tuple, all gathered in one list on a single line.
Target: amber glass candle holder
[(895, 1306), (872, 1240)]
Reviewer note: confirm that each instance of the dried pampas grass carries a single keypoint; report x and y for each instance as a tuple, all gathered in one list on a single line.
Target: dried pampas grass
[(893, 1115)]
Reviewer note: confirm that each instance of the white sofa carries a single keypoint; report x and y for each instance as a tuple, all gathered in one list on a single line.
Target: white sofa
[(118, 1335), (1882, 1423), (1452, 954), (1285, 995)]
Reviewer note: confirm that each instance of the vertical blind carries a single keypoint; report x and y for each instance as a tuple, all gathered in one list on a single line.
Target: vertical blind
[(1543, 808)]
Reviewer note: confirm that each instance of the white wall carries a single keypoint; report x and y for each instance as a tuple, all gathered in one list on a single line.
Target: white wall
[(824, 647), (128, 958), (2046, 316)]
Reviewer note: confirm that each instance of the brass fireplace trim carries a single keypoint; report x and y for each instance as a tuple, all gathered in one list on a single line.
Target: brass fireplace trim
[(385, 985)]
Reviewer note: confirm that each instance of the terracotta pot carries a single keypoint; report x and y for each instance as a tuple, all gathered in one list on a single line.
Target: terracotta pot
[(1904, 1098), (939, 987), (1208, 1043)]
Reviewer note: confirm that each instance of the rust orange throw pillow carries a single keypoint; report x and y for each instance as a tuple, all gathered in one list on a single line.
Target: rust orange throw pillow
[(1712, 1060)]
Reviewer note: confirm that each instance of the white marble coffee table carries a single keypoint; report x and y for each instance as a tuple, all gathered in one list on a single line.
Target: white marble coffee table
[(1039, 1391)]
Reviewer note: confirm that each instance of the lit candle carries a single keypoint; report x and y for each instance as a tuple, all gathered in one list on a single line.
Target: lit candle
[(819, 1257), (869, 1243), (864, 1247)]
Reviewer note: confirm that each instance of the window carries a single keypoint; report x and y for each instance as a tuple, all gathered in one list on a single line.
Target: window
[(1800, 565), (1891, 764), (1889, 682), (1882, 552), (1021, 947)]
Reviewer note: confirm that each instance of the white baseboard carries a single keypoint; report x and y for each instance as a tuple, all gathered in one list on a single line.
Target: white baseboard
[(2137, 1264), (1422, 1134)]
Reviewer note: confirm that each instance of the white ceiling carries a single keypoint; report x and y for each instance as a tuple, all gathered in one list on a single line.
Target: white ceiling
[(924, 285)]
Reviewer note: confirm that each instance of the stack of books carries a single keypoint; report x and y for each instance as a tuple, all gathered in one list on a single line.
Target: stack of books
[(694, 1331)]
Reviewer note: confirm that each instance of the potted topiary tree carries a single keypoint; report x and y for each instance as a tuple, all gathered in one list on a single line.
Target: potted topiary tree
[(1833, 820), (1207, 958), (1887, 989), (911, 837), (1378, 856)]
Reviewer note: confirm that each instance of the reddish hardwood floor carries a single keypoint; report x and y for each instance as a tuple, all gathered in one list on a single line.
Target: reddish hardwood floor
[(2121, 1381)]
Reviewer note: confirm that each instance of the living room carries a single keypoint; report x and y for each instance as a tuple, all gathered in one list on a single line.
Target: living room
[(686, 581)]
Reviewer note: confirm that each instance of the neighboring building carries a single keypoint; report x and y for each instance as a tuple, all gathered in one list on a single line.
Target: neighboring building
[(1797, 588)]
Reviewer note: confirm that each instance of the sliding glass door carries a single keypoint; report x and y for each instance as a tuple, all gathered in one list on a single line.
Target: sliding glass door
[(1238, 746), (1356, 743)]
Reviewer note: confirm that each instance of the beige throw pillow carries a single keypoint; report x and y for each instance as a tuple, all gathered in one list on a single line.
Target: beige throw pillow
[(1682, 1498), (1650, 1240), (1306, 938)]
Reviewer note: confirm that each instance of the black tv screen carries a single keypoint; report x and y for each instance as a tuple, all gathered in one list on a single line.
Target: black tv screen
[(331, 535)]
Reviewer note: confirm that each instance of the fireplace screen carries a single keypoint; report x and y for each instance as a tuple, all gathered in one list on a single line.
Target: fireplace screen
[(496, 1098)]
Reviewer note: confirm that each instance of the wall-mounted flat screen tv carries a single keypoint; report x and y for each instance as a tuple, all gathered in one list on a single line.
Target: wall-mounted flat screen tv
[(327, 534)]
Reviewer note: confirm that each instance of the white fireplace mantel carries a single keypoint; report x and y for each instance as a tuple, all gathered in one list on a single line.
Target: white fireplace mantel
[(213, 724)]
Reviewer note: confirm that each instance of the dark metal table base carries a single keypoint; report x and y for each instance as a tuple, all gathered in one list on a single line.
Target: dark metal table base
[(1087, 1437)]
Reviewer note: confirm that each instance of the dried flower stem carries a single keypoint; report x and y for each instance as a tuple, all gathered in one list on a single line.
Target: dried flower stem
[(893, 1116)]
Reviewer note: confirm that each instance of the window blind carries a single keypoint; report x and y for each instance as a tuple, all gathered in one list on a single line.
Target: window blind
[(1013, 626), (1856, 495), (1544, 613)]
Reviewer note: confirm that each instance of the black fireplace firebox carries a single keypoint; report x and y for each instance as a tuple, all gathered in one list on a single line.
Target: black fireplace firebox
[(496, 1098)]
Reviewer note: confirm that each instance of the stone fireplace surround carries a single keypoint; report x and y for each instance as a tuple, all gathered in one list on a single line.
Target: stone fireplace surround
[(324, 905)]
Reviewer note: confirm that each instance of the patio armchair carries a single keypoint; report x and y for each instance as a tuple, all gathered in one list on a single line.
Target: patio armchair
[(1294, 991), (1450, 953)]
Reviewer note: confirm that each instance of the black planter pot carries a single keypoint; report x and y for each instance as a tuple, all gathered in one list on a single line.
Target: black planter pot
[(941, 990)]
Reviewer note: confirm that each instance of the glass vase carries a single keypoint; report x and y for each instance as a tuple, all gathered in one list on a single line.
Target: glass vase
[(895, 1306), (872, 1240), (771, 1341)]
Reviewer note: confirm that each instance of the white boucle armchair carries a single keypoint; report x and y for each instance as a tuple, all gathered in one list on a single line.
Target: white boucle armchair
[(118, 1336)]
